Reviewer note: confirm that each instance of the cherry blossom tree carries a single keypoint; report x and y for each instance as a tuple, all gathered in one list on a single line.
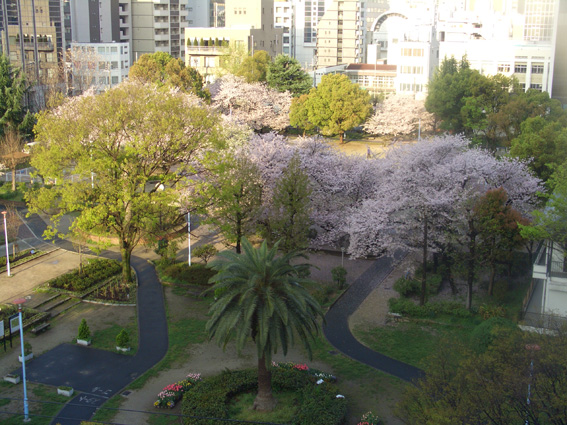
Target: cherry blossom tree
[(255, 104), (399, 115), (430, 187)]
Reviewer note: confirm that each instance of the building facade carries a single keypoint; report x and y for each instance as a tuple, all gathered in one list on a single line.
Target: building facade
[(341, 34)]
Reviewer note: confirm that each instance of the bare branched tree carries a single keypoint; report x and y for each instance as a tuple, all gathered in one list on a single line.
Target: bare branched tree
[(12, 152)]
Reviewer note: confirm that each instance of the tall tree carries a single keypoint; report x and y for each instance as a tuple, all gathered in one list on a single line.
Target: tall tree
[(13, 113), (127, 136), (498, 229), (254, 68), (447, 93), (399, 115), (289, 219), (337, 105), (161, 68), (256, 105), (543, 143), (262, 298), (235, 193), (12, 152), (285, 74)]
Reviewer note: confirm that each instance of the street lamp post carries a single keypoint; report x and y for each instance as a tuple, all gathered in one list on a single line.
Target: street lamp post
[(6, 238), (19, 302), (189, 233), (531, 348)]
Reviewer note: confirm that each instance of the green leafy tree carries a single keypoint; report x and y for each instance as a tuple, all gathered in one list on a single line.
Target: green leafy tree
[(289, 220), (542, 142), (299, 114), (254, 68), (498, 230), (12, 152), (491, 387), (285, 74), (261, 297), (126, 143), (161, 68), (550, 222), (235, 191), (447, 93), (335, 105), (13, 114)]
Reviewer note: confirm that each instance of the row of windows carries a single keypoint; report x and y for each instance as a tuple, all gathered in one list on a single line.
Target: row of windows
[(411, 69), (410, 87), (240, 11), (522, 68), (376, 82), (412, 52)]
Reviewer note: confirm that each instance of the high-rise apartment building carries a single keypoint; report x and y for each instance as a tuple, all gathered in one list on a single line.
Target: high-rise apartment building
[(157, 26), (341, 34), (95, 21), (34, 38), (249, 26)]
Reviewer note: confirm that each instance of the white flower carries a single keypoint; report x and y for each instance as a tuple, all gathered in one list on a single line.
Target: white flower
[(320, 381), (340, 396)]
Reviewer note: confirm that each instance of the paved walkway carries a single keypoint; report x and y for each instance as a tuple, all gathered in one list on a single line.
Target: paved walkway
[(338, 333), (100, 374)]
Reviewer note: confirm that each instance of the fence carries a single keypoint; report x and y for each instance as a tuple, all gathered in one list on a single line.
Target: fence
[(22, 175)]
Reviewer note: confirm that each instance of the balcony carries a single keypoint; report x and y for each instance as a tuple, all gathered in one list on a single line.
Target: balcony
[(42, 46), (204, 50)]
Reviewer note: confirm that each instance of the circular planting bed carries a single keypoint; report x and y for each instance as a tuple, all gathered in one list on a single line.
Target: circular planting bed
[(305, 398)]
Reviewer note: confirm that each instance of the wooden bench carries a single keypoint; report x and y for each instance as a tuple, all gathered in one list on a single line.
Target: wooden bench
[(40, 328)]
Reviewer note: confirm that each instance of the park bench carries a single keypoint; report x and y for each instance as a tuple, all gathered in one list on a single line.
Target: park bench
[(40, 328)]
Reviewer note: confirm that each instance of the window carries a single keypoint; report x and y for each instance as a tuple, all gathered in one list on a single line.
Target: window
[(115, 80), (537, 87), (503, 67), (520, 68), (101, 49), (537, 69), (190, 9), (114, 50), (114, 65)]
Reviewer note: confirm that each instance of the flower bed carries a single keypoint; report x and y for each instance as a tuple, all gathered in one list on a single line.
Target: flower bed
[(171, 394), (114, 291), (21, 258), (317, 404), (315, 373), (94, 272)]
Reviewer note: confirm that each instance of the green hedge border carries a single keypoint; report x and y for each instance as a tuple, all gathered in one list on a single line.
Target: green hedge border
[(210, 397)]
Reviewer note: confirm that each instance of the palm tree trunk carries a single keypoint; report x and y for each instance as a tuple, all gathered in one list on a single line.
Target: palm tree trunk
[(264, 401)]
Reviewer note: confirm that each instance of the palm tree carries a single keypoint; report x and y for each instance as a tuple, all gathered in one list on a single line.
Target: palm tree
[(260, 296)]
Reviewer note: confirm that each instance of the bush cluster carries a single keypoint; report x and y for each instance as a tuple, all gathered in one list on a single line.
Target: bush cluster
[(182, 273), (410, 287), (96, 271), (484, 335), (409, 308), (319, 402)]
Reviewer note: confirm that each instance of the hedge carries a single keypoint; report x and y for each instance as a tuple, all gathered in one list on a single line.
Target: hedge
[(409, 308), (320, 405)]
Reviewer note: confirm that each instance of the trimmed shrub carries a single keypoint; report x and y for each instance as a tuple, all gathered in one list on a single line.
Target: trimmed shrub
[(123, 339), (205, 252), (95, 271), (488, 331), (410, 287), (339, 276), (319, 402), (409, 308), (182, 273), (84, 331)]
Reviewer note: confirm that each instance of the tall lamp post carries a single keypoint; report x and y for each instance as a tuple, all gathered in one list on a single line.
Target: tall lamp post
[(531, 348), (7, 250), (19, 302), (189, 235)]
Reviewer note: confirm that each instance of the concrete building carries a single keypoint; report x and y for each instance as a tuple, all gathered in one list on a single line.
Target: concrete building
[(284, 18), (157, 26), (205, 13), (341, 34), (249, 26), (559, 85), (34, 39), (93, 21), (99, 65), (377, 79)]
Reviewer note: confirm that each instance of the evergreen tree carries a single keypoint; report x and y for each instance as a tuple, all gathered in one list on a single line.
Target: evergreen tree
[(285, 74), (13, 114), (291, 201)]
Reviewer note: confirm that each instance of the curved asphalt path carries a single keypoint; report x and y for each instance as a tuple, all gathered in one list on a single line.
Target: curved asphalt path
[(100, 374), (338, 333)]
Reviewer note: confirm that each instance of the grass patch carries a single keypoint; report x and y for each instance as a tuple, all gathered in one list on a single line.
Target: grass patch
[(107, 411), (181, 334), (411, 342), (106, 338), (40, 413), (285, 410)]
